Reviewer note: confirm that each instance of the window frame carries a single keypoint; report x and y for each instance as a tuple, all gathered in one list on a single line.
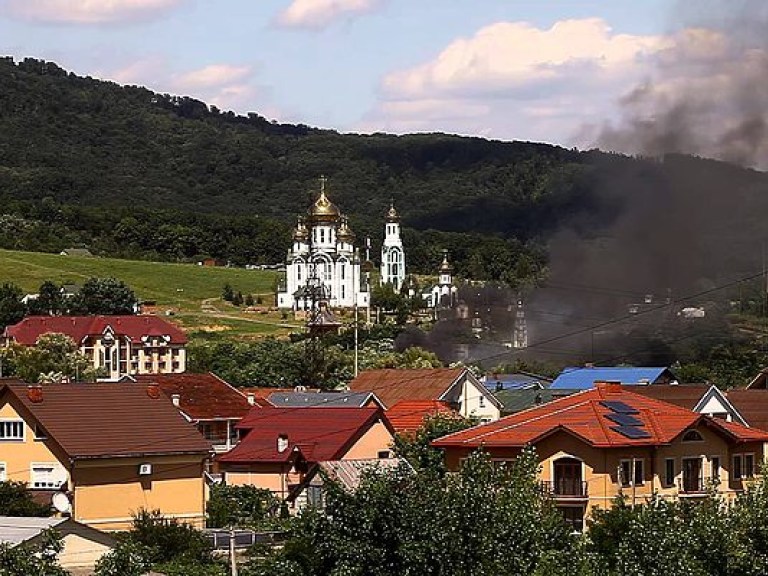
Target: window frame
[(736, 463), (3, 472), (11, 421), (714, 471), (54, 467), (632, 481), (667, 481)]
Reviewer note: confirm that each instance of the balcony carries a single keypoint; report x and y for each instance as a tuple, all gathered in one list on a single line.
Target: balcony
[(566, 489), (691, 486)]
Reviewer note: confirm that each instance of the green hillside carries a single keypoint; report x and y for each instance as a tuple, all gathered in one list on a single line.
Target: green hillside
[(191, 292)]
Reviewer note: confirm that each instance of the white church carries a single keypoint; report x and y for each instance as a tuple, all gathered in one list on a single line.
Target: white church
[(323, 264)]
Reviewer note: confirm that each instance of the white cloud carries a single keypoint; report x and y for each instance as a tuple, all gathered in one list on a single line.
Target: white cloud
[(227, 86), (512, 80), (87, 12), (318, 14)]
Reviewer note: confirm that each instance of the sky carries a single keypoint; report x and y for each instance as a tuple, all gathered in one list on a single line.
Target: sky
[(541, 70)]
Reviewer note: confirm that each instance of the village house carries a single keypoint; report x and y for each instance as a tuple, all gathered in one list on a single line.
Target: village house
[(116, 345), (408, 416), (82, 546), (112, 449), (281, 447), (457, 387), (610, 440), (314, 399), (206, 401)]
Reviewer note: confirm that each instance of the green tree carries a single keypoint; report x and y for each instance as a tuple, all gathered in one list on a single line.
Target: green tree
[(107, 296), (417, 448), (40, 560), (243, 506), (16, 500), (11, 307), (49, 300), (54, 357), (227, 293)]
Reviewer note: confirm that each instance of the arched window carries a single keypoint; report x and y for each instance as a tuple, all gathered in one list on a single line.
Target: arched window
[(692, 436)]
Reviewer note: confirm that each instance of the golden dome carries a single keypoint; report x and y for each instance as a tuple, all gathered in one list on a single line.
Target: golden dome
[(445, 267), (392, 215), (300, 233), (345, 233), (323, 210)]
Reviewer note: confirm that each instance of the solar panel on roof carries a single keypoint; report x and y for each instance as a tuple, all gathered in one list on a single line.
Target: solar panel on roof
[(631, 432), (624, 419), (619, 407)]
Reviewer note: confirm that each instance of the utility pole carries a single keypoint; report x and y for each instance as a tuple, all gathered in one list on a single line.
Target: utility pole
[(232, 560)]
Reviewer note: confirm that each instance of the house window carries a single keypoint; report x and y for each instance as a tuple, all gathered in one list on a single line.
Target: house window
[(749, 465), (630, 477), (715, 468), (315, 497), (669, 471), (12, 430), (692, 436), (482, 401), (40, 433), (48, 475), (3, 472), (737, 473), (382, 454)]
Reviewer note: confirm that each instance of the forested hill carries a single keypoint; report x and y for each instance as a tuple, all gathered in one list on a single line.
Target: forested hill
[(130, 172)]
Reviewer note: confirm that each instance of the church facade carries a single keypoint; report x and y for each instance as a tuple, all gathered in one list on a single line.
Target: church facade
[(392, 252), (323, 265)]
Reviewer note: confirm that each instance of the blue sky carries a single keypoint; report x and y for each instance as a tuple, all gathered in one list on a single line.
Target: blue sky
[(508, 69)]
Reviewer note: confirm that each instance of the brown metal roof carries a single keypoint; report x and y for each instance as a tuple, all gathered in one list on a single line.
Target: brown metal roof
[(109, 420), (392, 385), (685, 396), (201, 396), (752, 404)]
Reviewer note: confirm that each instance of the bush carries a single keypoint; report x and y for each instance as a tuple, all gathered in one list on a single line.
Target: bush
[(244, 506), (16, 500)]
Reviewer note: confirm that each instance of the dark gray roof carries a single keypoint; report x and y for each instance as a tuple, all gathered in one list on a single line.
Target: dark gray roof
[(336, 399), (517, 400)]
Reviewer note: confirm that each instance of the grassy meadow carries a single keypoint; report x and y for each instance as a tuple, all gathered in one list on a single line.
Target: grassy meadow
[(192, 292)]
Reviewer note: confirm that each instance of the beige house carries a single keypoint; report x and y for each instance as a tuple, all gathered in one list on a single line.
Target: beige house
[(112, 449), (456, 387), (609, 440), (281, 447), (116, 345), (82, 546)]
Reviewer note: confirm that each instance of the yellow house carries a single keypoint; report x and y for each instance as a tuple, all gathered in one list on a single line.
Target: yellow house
[(281, 447), (599, 443), (112, 449)]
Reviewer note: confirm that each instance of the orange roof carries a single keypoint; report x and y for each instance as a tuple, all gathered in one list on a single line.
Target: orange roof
[(201, 396), (409, 415), (392, 385), (585, 416)]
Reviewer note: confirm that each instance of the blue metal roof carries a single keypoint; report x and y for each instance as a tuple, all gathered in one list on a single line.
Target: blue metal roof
[(583, 378), (516, 381)]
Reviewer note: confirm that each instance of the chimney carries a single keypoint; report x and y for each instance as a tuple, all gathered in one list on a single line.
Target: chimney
[(609, 387), (35, 393), (251, 398), (589, 365), (282, 443), (176, 399)]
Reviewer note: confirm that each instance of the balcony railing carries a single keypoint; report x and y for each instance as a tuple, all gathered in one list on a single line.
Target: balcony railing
[(566, 488), (691, 485)]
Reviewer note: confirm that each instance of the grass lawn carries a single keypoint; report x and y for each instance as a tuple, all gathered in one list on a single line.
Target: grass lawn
[(192, 291)]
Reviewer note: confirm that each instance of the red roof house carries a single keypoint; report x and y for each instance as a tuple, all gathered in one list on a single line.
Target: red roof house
[(206, 400), (280, 446), (117, 345), (609, 440), (457, 387), (407, 416)]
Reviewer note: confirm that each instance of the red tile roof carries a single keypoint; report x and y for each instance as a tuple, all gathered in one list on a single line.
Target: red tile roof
[(392, 386), (319, 433), (584, 416), (78, 328), (201, 396), (409, 415), (108, 420)]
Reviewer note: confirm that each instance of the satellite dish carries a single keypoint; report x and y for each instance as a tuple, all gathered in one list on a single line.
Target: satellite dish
[(61, 503)]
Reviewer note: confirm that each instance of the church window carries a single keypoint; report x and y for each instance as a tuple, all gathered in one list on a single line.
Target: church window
[(343, 291), (394, 269), (343, 272), (298, 272), (322, 234)]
